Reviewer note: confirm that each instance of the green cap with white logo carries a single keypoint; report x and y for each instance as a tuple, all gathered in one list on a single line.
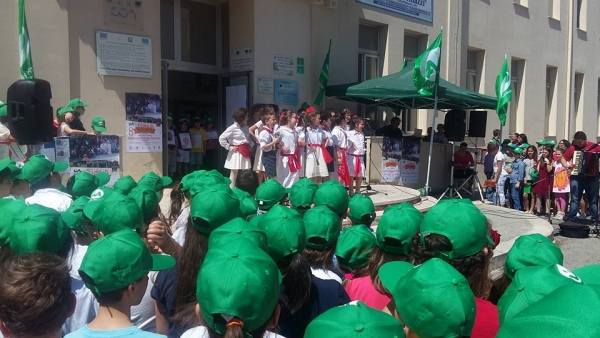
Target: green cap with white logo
[(99, 124)]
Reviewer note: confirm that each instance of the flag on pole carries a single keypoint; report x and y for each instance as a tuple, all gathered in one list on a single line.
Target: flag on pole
[(26, 64), (503, 92), (403, 64), (426, 76), (324, 77)]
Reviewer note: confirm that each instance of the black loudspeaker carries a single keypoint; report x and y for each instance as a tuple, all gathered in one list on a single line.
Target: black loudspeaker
[(29, 111), (455, 125), (477, 123)]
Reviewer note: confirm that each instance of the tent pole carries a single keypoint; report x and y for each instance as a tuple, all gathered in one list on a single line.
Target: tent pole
[(427, 187)]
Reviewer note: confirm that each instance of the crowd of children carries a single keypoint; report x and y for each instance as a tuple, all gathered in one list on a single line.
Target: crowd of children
[(537, 179), (265, 260)]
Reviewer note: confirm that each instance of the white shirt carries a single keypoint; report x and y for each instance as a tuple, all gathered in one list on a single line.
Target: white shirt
[(499, 157), (314, 136), (51, 198), (265, 137), (258, 126), (62, 130), (182, 219), (76, 258), (202, 332), (4, 132), (234, 135), (289, 138), (85, 308), (356, 143), (339, 137), (328, 135), (325, 275)]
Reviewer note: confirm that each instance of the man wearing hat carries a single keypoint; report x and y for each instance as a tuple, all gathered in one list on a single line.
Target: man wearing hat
[(98, 125), (79, 109), (40, 172)]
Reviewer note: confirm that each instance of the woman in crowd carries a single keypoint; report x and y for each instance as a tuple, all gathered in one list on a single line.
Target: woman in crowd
[(530, 162), (235, 140), (543, 187)]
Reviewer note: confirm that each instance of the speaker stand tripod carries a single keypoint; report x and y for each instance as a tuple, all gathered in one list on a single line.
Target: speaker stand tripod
[(475, 177), (451, 190)]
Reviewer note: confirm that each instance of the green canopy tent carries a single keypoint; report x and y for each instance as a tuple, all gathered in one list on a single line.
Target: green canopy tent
[(398, 91)]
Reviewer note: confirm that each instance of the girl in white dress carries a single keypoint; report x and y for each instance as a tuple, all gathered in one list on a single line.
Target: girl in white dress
[(356, 153), (340, 144), (317, 156), (288, 156), (234, 139), (254, 132), (327, 125)]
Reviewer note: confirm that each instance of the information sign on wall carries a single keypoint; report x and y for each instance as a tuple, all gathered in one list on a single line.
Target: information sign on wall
[(123, 55)]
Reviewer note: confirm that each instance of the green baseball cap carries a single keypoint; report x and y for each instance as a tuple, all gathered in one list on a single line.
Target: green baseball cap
[(9, 209), (397, 227), (322, 227), (569, 311), (15, 170), (354, 319), (461, 222), (188, 180), (196, 180), (62, 111), (99, 124), (541, 142), (153, 181), (362, 209), (285, 232), (212, 208), (124, 185), (248, 205), (333, 195), (118, 260), (237, 229), (147, 199), (3, 109), (76, 102), (531, 250), (524, 145), (84, 183), (38, 229), (512, 145), (111, 211), (38, 167), (269, 193), (550, 143), (589, 274), (353, 247), (519, 150), (237, 280), (256, 219), (530, 285), (73, 216), (433, 299), (302, 193)]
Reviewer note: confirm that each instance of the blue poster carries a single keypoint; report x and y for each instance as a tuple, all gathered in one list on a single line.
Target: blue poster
[(286, 92)]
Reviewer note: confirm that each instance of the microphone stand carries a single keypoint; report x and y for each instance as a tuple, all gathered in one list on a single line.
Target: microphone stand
[(367, 179)]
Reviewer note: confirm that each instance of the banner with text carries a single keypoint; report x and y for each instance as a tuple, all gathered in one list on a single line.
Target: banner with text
[(400, 161), (143, 125)]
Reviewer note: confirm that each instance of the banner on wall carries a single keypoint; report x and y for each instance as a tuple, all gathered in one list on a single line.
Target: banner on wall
[(400, 161), (143, 125), (94, 154)]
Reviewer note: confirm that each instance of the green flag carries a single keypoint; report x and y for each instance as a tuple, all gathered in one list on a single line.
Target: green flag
[(403, 64), (427, 68), (503, 92), (24, 51), (324, 77)]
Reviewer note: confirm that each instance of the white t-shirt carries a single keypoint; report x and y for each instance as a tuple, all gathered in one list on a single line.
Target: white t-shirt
[(234, 135), (62, 129), (182, 219), (339, 137), (85, 308), (4, 132), (202, 332), (356, 143), (265, 137), (76, 258), (289, 138), (500, 157), (51, 198)]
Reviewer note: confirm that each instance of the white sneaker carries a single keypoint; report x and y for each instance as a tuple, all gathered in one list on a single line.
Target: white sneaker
[(559, 215)]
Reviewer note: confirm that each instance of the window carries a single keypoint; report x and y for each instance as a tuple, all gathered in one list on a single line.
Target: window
[(551, 109), (198, 32), (524, 3), (414, 45), (368, 56), (517, 68), (582, 14), (578, 92), (167, 31), (554, 9), (474, 69)]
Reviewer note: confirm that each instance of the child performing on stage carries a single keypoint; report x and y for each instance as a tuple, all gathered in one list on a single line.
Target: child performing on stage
[(234, 139), (340, 145), (268, 143), (317, 156), (356, 153), (288, 157)]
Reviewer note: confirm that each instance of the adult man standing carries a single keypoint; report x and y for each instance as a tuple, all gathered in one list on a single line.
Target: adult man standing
[(392, 130), (586, 180)]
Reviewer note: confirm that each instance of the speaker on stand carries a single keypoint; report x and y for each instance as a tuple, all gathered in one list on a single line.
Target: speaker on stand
[(455, 125), (30, 114)]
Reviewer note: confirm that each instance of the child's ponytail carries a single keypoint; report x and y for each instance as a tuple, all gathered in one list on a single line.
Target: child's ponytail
[(234, 329), (177, 199), (296, 282)]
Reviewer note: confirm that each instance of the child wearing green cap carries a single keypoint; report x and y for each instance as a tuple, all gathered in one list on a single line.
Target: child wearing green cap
[(457, 232), (174, 289), (395, 234), (29, 308), (98, 125), (67, 117), (118, 283), (44, 178)]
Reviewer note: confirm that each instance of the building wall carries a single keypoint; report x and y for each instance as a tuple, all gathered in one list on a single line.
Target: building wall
[(63, 44)]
